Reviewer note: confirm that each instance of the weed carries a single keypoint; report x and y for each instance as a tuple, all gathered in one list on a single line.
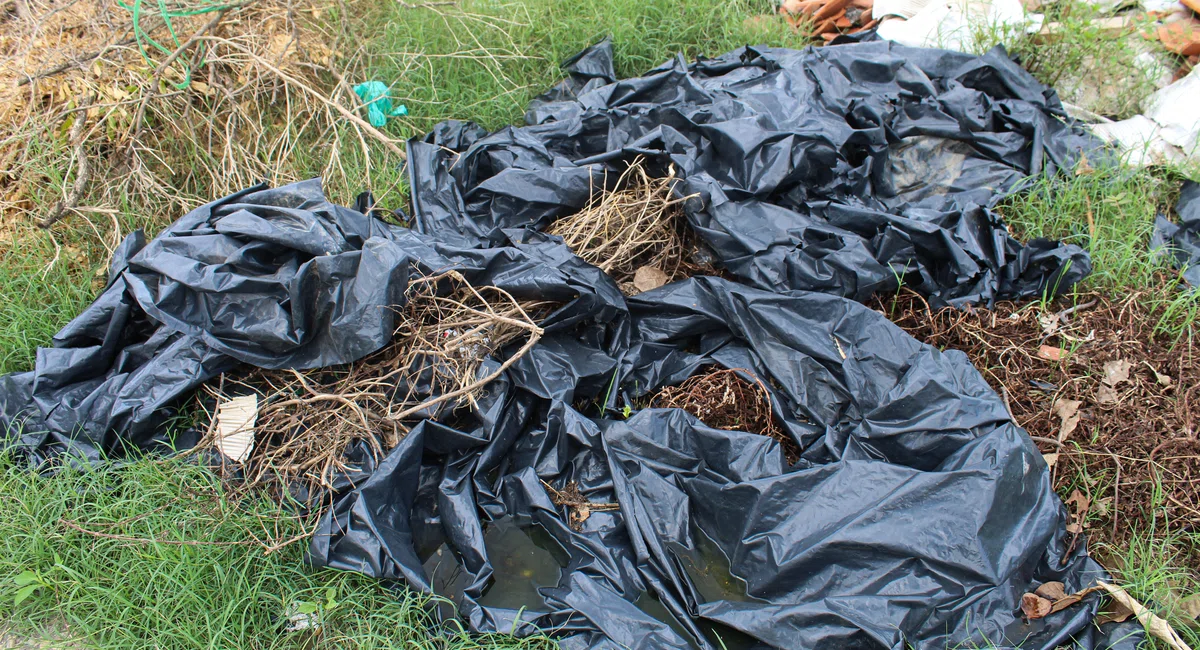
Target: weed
[(215, 591)]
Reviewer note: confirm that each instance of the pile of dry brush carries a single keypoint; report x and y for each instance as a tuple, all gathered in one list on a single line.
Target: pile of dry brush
[(723, 399), (106, 103), (635, 232), (307, 421)]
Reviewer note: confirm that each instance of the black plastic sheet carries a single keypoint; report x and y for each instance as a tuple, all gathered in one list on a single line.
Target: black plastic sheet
[(1182, 238), (918, 513), (844, 169)]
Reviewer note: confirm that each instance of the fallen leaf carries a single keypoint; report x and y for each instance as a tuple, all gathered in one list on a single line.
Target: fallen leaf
[(1116, 372), (1051, 459), (1074, 528), (1163, 380), (1078, 502), (1102, 506), (1153, 624), (1190, 606), (1115, 612), (1051, 590), (1050, 353), (1106, 395), (649, 277), (1034, 606), (1067, 410)]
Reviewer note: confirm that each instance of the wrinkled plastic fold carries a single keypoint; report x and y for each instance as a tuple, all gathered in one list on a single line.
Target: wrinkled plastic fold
[(918, 512)]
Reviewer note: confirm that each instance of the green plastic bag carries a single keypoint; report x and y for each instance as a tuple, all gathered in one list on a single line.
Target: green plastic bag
[(379, 106)]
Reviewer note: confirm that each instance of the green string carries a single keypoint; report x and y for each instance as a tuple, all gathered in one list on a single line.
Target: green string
[(167, 14)]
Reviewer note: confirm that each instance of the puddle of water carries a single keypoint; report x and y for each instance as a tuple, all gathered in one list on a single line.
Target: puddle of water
[(523, 559), (721, 636), (709, 570)]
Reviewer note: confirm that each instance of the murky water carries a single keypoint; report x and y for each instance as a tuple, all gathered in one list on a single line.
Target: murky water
[(526, 559), (523, 559), (709, 570)]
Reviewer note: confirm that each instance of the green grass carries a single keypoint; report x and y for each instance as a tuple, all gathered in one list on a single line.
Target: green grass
[(1110, 212), (217, 593), (1087, 62)]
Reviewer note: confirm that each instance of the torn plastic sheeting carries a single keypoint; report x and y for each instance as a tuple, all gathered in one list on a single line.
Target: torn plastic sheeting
[(842, 169), (820, 170), (1168, 131), (1182, 238), (277, 278), (952, 24), (894, 432)]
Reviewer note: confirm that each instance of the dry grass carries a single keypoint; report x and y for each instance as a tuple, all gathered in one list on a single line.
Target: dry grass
[(103, 106), (307, 421), (638, 225)]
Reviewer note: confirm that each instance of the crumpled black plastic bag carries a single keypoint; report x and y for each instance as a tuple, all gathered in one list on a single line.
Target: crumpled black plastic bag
[(841, 169), (918, 513), (1182, 238), (276, 278), (918, 516)]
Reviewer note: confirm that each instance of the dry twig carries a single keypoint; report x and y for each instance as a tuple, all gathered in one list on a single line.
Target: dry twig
[(637, 224), (307, 422)]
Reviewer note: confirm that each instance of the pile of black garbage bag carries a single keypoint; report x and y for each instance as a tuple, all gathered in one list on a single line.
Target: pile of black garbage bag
[(918, 513)]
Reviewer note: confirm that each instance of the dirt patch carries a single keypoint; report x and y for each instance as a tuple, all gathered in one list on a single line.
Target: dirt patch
[(722, 399), (1107, 399)]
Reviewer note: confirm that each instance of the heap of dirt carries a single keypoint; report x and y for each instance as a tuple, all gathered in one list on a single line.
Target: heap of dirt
[(1108, 397), (722, 399)]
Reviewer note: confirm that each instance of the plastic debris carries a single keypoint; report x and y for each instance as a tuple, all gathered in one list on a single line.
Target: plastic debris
[(1168, 130), (891, 480), (374, 94), (952, 24), (235, 426), (1181, 239)]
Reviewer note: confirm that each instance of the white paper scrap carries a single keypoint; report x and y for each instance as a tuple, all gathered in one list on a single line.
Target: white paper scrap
[(235, 426)]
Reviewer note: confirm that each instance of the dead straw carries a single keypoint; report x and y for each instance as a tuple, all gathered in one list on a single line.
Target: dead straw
[(722, 399), (307, 421), (638, 224)]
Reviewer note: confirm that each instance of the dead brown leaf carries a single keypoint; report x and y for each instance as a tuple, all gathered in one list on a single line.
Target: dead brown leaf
[(1106, 395), (1154, 624), (1068, 411), (1052, 590), (1116, 372), (1034, 606), (1190, 606), (1051, 459), (1078, 502), (649, 277), (1114, 612)]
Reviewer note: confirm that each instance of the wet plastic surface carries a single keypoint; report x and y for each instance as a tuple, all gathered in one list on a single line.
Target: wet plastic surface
[(918, 513)]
